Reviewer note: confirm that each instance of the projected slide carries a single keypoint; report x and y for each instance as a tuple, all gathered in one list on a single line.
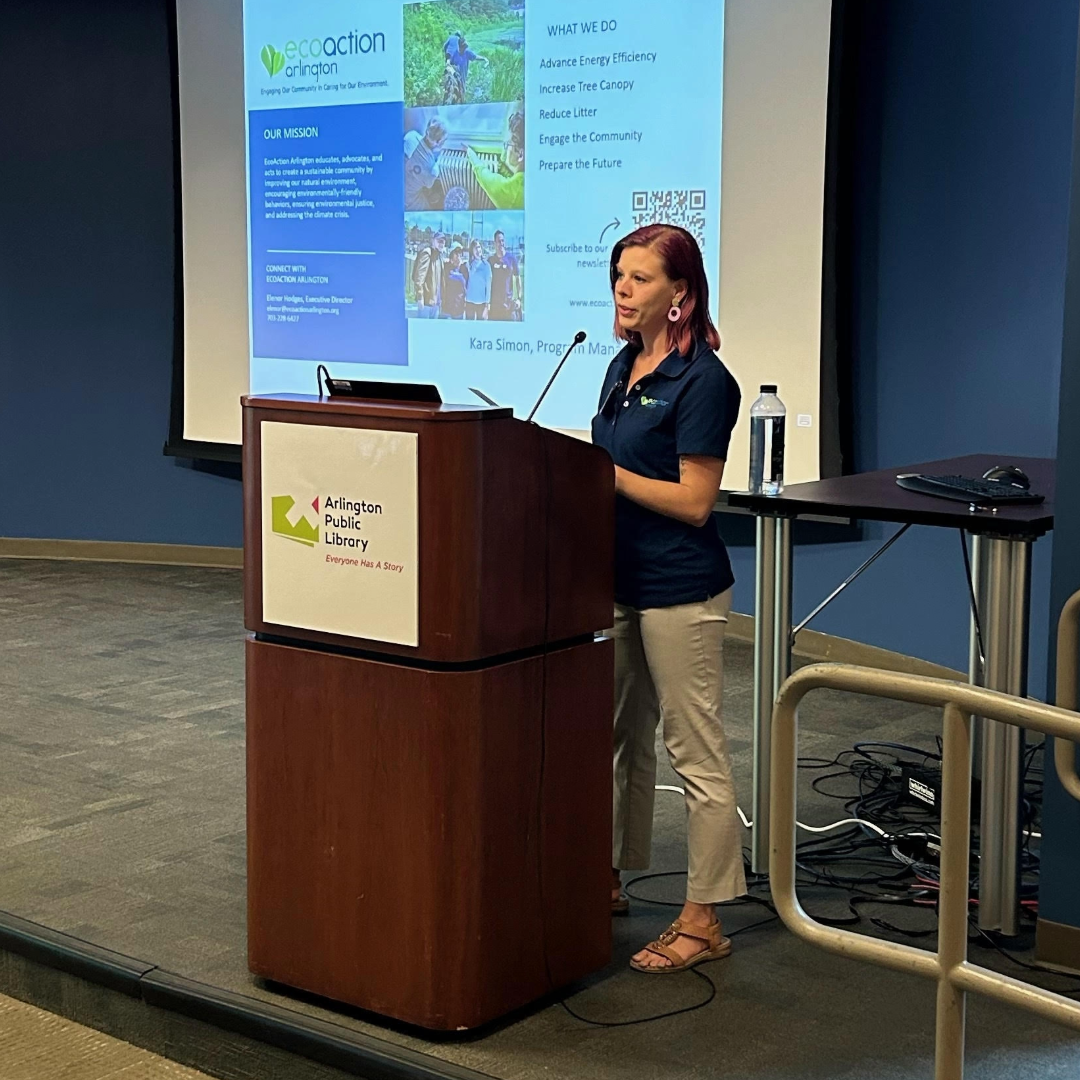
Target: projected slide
[(434, 188)]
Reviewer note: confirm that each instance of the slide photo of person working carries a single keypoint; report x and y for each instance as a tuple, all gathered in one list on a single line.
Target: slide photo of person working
[(464, 266), (459, 52), (469, 157)]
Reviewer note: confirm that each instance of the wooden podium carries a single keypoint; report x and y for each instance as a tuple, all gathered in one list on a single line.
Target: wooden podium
[(429, 817)]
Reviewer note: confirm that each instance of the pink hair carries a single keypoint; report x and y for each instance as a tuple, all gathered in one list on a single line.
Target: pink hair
[(682, 261)]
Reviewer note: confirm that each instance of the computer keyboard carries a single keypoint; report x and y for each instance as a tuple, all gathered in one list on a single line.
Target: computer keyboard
[(968, 489)]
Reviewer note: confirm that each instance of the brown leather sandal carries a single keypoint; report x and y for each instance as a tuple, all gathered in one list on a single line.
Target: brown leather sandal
[(716, 948)]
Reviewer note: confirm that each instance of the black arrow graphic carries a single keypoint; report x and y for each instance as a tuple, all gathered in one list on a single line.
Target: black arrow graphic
[(610, 225)]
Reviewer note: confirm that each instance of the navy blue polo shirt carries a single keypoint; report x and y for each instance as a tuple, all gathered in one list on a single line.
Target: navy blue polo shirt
[(688, 405)]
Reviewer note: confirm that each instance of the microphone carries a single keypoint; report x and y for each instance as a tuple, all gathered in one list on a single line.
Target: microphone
[(579, 337)]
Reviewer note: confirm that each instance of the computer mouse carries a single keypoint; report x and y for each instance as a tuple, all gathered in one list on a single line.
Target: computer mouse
[(1008, 474)]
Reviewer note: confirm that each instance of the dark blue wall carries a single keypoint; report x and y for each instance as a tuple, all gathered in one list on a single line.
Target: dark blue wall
[(963, 139), (86, 281), (962, 176), (1059, 894)]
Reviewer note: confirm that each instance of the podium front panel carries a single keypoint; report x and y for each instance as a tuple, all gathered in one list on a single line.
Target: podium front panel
[(514, 530)]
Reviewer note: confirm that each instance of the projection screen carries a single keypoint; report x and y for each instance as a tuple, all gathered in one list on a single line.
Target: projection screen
[(324, 148)]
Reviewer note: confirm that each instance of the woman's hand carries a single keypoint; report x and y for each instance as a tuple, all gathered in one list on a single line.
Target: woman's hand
[(690, 500)]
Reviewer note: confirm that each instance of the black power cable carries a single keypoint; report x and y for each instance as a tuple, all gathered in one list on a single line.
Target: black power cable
[(774, 917), (658, 1016)]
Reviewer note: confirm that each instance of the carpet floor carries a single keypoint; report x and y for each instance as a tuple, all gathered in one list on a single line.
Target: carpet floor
[(122, 823)]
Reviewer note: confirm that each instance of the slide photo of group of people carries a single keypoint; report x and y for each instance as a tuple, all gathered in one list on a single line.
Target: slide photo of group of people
[(464, 265), (464, 154)]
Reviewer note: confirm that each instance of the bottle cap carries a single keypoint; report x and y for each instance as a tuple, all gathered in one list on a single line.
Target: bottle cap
[(768, 388)]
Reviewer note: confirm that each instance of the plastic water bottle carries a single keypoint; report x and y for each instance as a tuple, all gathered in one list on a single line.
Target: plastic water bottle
[(767, 417)]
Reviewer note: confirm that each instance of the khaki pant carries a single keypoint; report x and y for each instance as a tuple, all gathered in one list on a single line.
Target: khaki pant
[(669, 664)]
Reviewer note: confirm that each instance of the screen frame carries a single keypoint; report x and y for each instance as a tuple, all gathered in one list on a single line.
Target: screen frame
[(836, 429), (176, 445)]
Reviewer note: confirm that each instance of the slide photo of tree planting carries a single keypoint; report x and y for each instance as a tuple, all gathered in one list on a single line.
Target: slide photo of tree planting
[(464, 52)]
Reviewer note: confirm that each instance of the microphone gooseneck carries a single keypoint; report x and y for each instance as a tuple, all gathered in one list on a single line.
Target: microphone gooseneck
[(579, 337)]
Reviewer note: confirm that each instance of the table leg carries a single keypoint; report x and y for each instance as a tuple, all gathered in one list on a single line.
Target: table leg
[(782, 619), (1012, 831), (1005, 584), (772, 664), (975, 645), (764, 632)]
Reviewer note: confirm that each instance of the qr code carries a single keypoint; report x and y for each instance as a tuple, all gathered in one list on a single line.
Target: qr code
[(685, 208)]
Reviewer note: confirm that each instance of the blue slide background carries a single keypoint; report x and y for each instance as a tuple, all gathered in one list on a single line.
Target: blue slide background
[(374, 323), (605, 150)]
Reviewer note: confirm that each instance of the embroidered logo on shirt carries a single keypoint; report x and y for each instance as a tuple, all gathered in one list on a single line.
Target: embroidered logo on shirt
[(651, 402)]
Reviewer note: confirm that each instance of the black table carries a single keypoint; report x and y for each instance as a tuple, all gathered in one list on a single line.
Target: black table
[(1001, 542)]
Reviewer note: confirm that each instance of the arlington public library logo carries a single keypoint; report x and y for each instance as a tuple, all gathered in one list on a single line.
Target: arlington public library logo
[(303, 531)]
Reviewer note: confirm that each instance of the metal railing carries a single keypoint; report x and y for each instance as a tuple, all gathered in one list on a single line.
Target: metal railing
[(1068, 643), (949, 966)]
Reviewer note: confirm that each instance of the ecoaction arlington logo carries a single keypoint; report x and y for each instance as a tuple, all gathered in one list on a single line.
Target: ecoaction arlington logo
[(319, 56), (341, 516)]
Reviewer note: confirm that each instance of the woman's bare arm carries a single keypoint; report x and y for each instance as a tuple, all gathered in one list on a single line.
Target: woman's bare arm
[(691, 500)]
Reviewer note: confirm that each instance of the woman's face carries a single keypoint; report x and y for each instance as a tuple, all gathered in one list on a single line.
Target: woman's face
[(643, 291), (477, 250)]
